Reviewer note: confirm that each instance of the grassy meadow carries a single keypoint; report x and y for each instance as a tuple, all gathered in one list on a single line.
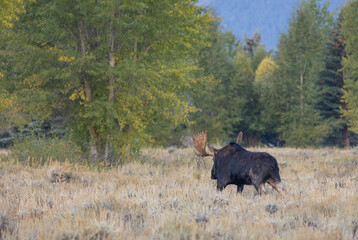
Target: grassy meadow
[(168, 194)]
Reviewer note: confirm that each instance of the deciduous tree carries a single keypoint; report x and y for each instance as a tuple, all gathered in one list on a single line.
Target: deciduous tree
[(350, 64), (113, 68)]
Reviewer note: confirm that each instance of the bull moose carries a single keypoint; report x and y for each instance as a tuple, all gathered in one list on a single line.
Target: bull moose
[(233, 164)]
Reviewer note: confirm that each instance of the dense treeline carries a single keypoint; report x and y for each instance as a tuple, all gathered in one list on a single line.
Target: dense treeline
[(123, 74), (293, 96)]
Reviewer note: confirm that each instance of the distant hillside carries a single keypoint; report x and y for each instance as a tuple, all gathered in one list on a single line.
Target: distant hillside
[(268, 17)]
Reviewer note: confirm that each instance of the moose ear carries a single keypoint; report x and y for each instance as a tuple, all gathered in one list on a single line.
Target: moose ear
[(239, 138), (212, 149)]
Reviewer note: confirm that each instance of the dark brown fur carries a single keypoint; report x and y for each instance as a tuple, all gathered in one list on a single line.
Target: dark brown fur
[(235, 165)]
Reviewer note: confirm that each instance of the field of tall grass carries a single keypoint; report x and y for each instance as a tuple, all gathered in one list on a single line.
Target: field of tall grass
[(168, 194)]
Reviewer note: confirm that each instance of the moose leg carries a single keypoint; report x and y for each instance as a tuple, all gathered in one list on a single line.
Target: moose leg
[(277, 185), (260, 188), (240, 188), (220, 186)]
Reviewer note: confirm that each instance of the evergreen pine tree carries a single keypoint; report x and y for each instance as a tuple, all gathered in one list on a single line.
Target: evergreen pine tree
[(330, 89), (300, 60)]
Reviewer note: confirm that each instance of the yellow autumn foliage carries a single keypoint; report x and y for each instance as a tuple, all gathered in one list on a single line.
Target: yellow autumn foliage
[(78, 94), (66, 59), (9, 11), (265, 69), (8, 103)]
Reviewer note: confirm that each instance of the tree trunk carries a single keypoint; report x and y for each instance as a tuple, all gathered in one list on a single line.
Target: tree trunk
[(301, 94), (88, 90), (250, 140), (112, 63), (346, 137), (110, 97), (93, 149)]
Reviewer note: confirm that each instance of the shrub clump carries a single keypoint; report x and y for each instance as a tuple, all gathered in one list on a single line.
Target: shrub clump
[(37, 151), (58, 174)]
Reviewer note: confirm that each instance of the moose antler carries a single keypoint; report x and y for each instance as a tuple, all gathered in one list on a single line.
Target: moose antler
[(199, 142)]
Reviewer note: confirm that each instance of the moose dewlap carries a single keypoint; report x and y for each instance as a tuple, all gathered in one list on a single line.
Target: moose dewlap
[(235, 165)]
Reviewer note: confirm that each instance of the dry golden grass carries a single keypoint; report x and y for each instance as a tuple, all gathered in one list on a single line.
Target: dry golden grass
[(171, 196)]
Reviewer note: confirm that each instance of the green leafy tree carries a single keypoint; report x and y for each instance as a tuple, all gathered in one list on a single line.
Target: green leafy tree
[(233, 104), (218, 61), (350, 64), (244, 94), (112, 68), (300, 60), (242, 99), (265, 84)]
